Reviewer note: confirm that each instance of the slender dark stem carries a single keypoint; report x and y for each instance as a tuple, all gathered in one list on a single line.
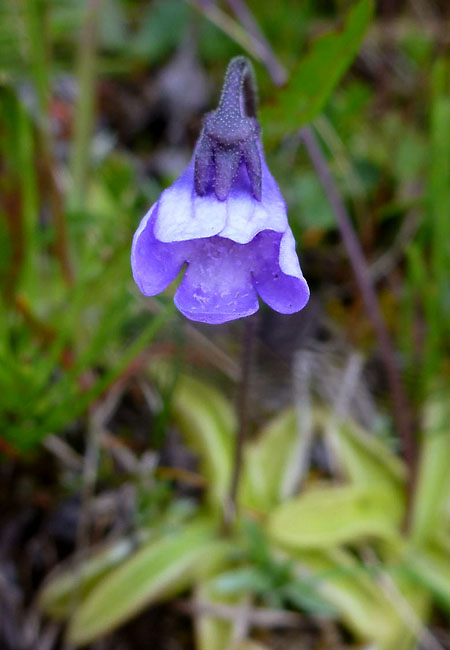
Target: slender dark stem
[(230, 27), (361, 271), (56, 201), (248, 344)]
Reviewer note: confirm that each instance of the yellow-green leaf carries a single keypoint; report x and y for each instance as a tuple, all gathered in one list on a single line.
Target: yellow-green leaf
[(207, 422), (212, 633), (269, 459), (60, 592), (434, 471), (156, 571), (431, 567), (328, 516), (366, 606), (364, 458)]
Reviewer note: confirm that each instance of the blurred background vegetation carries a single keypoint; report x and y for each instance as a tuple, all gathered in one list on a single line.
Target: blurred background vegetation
[(117, 419)]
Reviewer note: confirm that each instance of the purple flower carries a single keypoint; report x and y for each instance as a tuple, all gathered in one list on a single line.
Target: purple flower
[(225, 219)]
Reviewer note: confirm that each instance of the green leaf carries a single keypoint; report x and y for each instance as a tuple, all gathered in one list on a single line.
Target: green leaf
[(436, 294), (112, 27), (439, 180), (306, 191), (302, 595), (433, 476), (243, 580), (156, 571), (318, 73), (161, 28), (326, 517)]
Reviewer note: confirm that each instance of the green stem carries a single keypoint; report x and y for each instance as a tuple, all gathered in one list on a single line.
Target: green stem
[(38, 56), (39, 59), (85, 108)]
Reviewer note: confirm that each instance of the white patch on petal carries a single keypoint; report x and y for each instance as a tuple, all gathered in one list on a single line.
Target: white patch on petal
[(141, 228), (246, 216), (184, 215), (289, 263)]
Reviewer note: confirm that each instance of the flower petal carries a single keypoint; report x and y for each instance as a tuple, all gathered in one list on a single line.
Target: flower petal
[(217, 285), (246, 216), (279, 280), (183, 214), (155, 264)]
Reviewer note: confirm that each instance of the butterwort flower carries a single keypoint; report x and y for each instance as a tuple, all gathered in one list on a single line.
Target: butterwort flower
[(224, 220)]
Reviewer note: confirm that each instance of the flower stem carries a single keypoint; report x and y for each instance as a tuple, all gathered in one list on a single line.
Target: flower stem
[(248, 345), (401, 407), (230, 27)]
